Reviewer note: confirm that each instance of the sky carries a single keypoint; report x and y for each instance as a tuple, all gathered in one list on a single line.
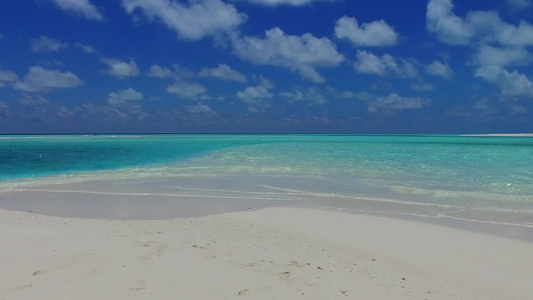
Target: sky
[(266, 66)]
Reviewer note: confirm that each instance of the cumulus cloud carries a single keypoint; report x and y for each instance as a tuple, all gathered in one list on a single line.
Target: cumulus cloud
[(254, 94), (392, 102), (182, 73), (263, 81), (502, 56), (447, 26), (4, 110), (65, 112), (308, 95), (192, 21), (44, 43), (386, 65), (161, 72), (40, 79), (491, 62), (436, 68), (198, 109), (511, 83), (80, 7), (85, 48), (223, 72), (519, 4), (177, 72), (188, 90), (287, 2), (481, 26), (498, 43), (421, 86), (490, 28), (122, 97), (257, 94), (7, 76), (303, 54), (345, 94), (32, 99), (377, 33), (121, 69)]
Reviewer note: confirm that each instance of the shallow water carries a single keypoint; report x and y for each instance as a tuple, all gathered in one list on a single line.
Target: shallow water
[(482, 178)]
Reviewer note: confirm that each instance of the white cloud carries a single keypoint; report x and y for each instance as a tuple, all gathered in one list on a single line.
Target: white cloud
[(385, 65), (65, 112), (177, 72), (499, 44), (517, 109), (502, 57), (303, 53), (257, 94), (265, 82), (484, 26), (256, 109), (121, 69), (223, 72), (510, 83), (4, 110), (40, 79), (198, 109), (254, 94), (85, 48), (124, 96), (421, 86), (51, 62), (447, 26), (346, 94), (436, 68), (188, 90), (370, 64), (377, 33), (309, 95), (392, 102), (81, 7), (287, 2), (7, 76), (181, 73), (44, 43), (32, 99), (192, 21), (519, 4), (158, 71), (491, 28)]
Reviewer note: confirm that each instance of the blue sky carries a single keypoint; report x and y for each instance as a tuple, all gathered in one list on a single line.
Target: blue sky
[(326, 66)]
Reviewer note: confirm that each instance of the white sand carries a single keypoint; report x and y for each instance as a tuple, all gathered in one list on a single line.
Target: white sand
[(274, 253)]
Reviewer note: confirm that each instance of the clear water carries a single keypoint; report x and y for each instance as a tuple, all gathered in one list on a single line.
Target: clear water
[(33, 156), (493, 173)]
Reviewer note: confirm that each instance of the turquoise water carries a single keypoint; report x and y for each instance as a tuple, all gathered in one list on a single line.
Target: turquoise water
[(480, 172), (32, 156)]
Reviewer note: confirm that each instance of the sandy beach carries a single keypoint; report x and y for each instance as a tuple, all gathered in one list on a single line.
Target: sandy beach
[(271, 253), (266, 149)]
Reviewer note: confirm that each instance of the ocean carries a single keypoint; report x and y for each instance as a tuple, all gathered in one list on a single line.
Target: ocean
[(475, 177)]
